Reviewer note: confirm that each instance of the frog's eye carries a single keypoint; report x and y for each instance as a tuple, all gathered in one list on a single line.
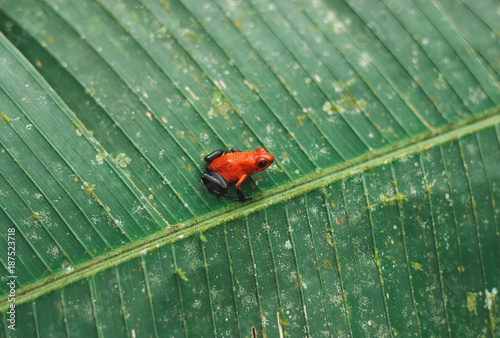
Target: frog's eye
[(262, 164)]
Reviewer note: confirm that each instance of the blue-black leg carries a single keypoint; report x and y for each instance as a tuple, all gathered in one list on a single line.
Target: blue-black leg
[(241, 196), (215, 154), (216, 184), (234, 150)]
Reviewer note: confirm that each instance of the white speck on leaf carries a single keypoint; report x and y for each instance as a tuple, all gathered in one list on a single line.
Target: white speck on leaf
[(100, 158), (122, 160), (490, 297)]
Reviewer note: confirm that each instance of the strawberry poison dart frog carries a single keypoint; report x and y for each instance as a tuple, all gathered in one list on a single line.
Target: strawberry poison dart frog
[(236, 166)]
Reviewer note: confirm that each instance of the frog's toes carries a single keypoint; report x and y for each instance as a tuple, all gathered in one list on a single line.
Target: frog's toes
[(241, 196)]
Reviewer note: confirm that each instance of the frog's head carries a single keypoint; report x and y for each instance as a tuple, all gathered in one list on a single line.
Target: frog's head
[(263, 159)]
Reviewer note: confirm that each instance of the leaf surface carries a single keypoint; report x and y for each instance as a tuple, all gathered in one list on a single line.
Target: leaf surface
[(380, 216)]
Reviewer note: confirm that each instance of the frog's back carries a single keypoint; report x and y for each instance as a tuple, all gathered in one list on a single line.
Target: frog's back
[(232, 166)]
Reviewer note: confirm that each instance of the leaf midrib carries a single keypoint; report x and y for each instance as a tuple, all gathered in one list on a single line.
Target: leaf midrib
[(308, 183)]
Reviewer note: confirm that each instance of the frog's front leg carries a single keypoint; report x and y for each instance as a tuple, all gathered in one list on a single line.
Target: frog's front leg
[(215, 154), (241, 196), (216, 184)]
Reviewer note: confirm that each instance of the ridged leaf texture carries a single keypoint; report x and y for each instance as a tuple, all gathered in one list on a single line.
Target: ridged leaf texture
[(379, 217)]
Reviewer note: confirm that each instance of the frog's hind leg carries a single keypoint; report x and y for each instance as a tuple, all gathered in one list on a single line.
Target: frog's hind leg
[(215, 154), (216, 184)]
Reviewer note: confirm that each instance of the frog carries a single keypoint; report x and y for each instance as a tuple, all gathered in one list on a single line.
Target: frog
[(225, 167)]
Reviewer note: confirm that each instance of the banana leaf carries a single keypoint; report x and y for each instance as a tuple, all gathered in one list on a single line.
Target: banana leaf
[(379, 217)]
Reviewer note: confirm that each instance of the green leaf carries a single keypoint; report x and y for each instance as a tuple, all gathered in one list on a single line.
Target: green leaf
[(5, 119), (379, 217)]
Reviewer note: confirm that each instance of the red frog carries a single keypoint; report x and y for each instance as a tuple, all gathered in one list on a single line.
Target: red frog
[(236, 166)]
